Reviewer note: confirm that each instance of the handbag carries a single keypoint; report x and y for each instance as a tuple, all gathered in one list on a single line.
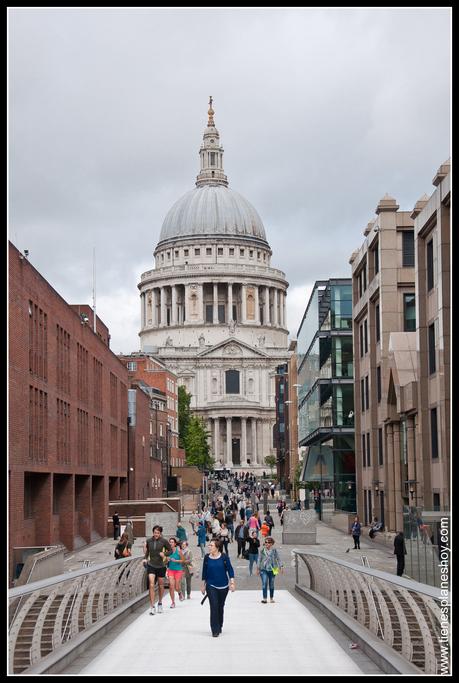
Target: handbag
[(276, 571), (126, 552)]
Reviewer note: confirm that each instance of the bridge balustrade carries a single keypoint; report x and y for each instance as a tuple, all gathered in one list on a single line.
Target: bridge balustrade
[(407, 615)]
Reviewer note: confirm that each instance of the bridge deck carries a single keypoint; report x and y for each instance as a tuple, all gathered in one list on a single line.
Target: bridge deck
[(280, 638)]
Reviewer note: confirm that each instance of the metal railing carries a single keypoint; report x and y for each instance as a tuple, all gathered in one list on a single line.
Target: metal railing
[(55, 610), (405, 614)]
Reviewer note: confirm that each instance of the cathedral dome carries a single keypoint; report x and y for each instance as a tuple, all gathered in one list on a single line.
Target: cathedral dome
[(212, 209)]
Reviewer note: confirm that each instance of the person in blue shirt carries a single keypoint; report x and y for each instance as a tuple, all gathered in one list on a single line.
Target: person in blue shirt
[(217, 578), (202, 537)]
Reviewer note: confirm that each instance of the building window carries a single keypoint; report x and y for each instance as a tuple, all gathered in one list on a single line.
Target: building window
[(378, 325), (176, 252), (367, 393), (376, 258), (212, 158), (365, 334), (433, 433), (231, 251), (378, 382), (232, 381), (380, 447), (408, 248), (221, 313), (220, 251), (258, 255), (209, 313), (430, 265), (251, 253), (186, 252), (168, 255), (364, 458), (368, 450), (362, 394), (241, 252), (197, 252), (361, 340), (132, 365), (409, 312), (432, 365), (209, 251), (436, 502)]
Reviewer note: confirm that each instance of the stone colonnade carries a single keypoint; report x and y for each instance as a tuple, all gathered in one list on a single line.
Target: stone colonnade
[(253, 434), (170, 305)]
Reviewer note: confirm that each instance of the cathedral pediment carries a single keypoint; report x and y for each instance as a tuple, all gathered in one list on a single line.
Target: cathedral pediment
[(231, 348)]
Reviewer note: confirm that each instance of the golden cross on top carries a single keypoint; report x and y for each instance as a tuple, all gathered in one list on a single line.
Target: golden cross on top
[(210, 101)]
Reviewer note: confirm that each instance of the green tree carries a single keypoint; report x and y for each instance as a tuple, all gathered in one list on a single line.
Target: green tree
[(196, 445), (270, 460), (184, 414)]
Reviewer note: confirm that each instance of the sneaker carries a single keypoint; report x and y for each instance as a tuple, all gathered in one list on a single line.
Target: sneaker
[(188, 597), (215, 635), (272, 600), (181, 597), (172, 605), (160, 608), (264, 601), (152, 610)]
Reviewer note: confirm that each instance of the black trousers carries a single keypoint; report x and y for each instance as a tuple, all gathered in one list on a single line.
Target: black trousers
[(356, 541), (217, 597), (240, 546), (400, 564)]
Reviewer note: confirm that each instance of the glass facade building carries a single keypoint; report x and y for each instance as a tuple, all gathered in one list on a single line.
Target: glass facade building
[(326, 392)]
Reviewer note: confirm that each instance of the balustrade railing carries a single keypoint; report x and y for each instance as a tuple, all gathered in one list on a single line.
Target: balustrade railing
[(46, 614), (408, 616)]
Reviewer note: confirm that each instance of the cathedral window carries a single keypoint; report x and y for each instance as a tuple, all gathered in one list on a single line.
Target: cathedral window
[(220, 251), (231, 251), (232, 381), (176, 253), (251, 253), (186, 252), (212, 158), (221, 313), (209, 251), (209, 313), (241, 251), (197, 252)]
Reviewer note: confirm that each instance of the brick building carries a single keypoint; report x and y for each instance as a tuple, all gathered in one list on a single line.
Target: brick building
[(68, 407), (144, 367)]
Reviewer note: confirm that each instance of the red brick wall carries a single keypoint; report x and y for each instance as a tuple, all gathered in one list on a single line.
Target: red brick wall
[(26, 284)]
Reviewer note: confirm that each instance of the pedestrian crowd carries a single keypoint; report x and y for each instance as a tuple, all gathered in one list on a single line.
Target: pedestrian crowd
[(232, 515)]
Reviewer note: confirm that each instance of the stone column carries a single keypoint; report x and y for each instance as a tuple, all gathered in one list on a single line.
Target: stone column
[(162, 292), (244, 304), (215, 306), (217, 439), (260, 450), (257, 306), (389, 479), (275, 316), (174, 305), (266, 316), (281, 308), (410, 446), (154, 313), (229, 443), (397, 479), (253, 459), (142, 310), (230, 301), (243, 442)]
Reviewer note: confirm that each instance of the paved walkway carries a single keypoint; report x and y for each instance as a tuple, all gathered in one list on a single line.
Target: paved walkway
[(290, 637)]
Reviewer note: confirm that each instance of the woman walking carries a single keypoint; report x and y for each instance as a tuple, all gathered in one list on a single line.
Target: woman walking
[(217, 577), (269, 565), (254, 523), (187, 571), (254, 544), (174, 569), (356, 531), (123, 547), (224, 537)]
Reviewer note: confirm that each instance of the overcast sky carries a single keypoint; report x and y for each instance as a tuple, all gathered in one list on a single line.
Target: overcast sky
[(320, 112)]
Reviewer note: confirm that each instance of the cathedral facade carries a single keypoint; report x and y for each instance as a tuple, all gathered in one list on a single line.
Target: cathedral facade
[(213, 310)]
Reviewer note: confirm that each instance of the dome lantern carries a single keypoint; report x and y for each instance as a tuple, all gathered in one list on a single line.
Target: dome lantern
[(211, 154)]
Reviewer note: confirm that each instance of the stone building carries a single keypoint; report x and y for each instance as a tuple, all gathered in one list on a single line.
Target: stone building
[(401, 319), (213, 311)]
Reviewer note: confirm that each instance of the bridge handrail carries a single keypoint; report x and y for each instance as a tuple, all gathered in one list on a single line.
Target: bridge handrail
[(107, 586), (412, 622)]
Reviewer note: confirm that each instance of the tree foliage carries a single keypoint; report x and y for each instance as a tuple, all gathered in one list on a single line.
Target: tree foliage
[(196, 445), (184, 414), (270, 460)]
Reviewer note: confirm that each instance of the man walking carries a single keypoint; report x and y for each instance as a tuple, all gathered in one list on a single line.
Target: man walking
[(116, 526), (400, 552), (156, 568)]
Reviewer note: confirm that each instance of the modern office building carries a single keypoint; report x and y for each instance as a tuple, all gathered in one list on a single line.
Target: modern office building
[(326, 393), (213, 311)]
